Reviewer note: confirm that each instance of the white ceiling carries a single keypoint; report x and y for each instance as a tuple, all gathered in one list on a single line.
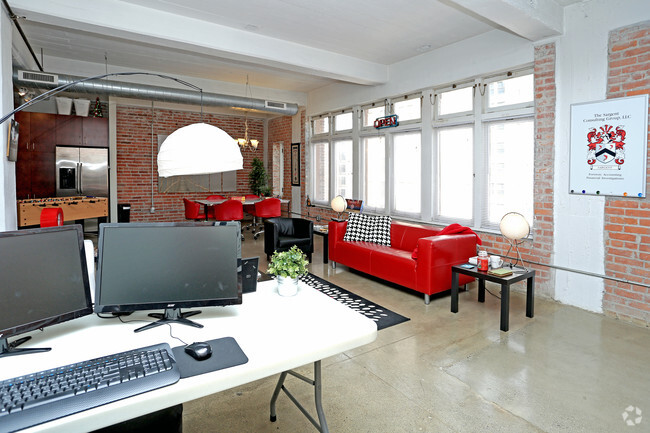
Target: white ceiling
[(292, 45)]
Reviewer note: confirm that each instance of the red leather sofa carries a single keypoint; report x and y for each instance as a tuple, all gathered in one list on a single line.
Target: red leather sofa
[(429, 272)]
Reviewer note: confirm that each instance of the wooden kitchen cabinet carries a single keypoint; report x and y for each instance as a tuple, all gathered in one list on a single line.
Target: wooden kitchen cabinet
[(81, 131), (35, 165), (95, 131)]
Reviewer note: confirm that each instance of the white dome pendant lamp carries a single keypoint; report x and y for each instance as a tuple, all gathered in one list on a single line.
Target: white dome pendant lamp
[(198, 149)]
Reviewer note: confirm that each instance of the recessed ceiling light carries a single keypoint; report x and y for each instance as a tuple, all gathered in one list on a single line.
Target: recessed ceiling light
[(251, 27), (423, 48)]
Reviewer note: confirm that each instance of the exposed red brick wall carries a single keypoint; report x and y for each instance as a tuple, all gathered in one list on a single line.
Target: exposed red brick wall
[(135, 150), (627, 220)]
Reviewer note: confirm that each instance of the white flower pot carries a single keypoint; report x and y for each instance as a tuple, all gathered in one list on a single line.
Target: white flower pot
[(287, 286), (81, 107), (63, 105)]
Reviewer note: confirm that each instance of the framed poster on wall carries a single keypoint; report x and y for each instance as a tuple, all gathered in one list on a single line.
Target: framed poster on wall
[(295, 164), (12, 141), (609, 141)]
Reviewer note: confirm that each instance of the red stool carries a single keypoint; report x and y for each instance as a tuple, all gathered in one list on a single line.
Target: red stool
[(52, 217)]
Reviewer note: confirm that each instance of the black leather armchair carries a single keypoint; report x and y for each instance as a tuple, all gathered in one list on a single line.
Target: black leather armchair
[(280, 234)]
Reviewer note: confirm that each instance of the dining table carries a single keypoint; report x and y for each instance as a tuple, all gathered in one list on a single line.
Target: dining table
[(207, 203)]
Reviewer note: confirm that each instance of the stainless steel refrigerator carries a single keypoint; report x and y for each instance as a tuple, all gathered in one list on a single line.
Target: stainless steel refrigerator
[(81, 171)]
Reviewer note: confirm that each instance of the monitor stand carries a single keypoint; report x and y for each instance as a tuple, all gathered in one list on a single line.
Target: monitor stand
[(9, 349), (171, 315)]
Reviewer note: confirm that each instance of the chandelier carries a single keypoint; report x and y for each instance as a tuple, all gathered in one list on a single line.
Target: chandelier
[(245, 142)]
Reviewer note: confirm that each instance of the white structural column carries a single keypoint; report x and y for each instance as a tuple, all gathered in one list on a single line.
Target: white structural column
[(8, 218)]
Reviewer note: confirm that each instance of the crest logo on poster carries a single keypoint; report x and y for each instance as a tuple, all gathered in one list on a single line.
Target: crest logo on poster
[(604, 145)]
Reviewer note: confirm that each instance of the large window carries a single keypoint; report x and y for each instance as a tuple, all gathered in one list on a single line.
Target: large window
[(484, 143), (406, 173), (320, 168), (461, 153), (510, 169), (375, 173), (343, 168), (331, 157), (456, 169)]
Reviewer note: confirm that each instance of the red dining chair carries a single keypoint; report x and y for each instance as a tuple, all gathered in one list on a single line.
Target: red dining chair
[(230, 210), (267, 208), (250, 209), (211, 211), (193, 210)]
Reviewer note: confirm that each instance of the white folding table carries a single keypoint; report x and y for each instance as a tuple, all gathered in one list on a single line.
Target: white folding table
[(277, 334)]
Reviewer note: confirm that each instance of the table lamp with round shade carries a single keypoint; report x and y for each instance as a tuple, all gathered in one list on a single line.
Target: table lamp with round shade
[(514, 227), (338, 204)]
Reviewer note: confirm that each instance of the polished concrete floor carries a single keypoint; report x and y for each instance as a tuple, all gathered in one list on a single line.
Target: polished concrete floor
[(565, 370)]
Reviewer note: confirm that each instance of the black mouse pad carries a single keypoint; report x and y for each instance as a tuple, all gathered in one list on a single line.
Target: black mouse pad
[(225, 353)]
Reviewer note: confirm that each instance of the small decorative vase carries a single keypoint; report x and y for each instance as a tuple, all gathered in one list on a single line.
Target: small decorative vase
[(287, 286)]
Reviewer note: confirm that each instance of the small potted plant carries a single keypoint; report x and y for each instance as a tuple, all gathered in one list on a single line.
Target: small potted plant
[(288, 266)]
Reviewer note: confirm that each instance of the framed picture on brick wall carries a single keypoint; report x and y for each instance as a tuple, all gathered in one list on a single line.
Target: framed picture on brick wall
[(12, 141), (295, 164), (609, 141)]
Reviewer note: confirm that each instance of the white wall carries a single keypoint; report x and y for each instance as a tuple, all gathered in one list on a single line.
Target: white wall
[(581, 75), (7, 169)]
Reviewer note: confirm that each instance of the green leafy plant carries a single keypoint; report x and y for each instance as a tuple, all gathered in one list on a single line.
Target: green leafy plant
[(267, 191), (292, 263), (257, 177)]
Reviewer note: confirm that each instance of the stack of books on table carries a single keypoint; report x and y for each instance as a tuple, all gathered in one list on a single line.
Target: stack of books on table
[(500, 272)]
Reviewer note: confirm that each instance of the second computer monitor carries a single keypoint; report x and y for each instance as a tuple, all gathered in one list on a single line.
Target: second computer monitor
[(169, 266)]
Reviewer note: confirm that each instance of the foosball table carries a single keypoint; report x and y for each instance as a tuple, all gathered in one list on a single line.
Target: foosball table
[(74, 208)]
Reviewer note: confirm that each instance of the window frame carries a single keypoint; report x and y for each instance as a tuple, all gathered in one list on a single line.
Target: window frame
[(409, 96), (364, 108), (333, 122), (511, 108), (451, 117)]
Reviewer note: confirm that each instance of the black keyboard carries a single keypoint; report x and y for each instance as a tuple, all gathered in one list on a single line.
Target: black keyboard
[(36, 398)]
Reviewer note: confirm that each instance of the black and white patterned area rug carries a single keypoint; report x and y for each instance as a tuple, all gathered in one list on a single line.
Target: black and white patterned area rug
[(382, 316)]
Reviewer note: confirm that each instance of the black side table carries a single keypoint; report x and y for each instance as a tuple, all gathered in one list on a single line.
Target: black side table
[(325, 236), (505, 283)]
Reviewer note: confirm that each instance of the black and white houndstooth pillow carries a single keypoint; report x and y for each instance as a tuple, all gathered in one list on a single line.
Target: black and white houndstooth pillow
[(379, 231), (356, 229), (367, 228)]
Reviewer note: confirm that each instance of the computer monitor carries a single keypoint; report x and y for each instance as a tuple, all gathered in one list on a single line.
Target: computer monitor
[(148, 266), (43, 281)]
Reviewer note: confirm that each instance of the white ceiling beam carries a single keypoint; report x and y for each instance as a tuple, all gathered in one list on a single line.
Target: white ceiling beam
[(116, 19), (532, 19)]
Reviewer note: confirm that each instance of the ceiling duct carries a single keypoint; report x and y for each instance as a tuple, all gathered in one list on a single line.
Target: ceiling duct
[(94, 87)]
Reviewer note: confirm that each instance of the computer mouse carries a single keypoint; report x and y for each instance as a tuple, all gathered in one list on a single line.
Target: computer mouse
[(199, 350)]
